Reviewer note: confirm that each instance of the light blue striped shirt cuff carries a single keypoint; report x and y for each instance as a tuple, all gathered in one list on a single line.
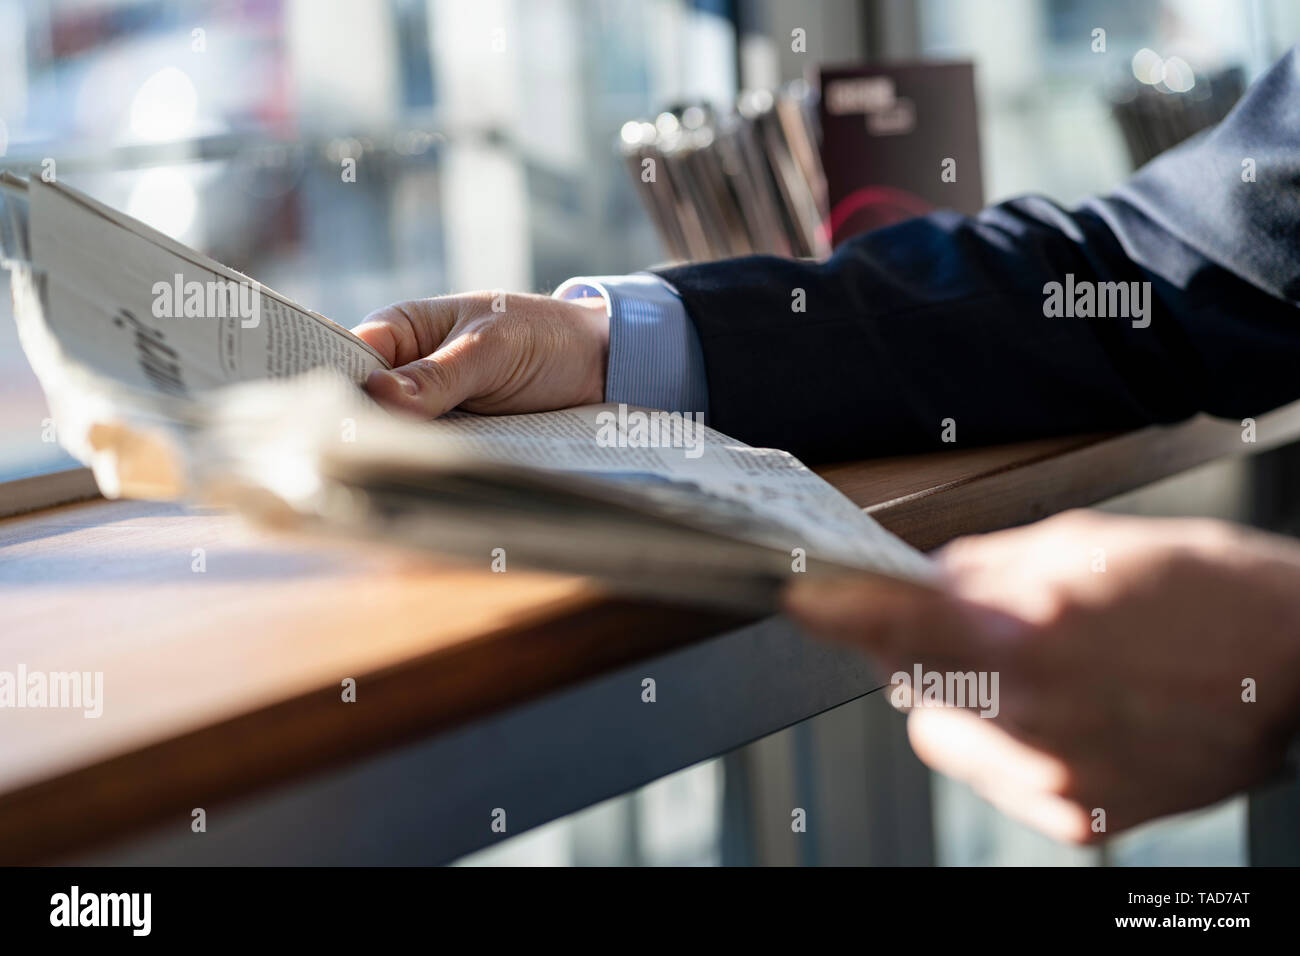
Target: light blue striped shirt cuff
[(655, 357)]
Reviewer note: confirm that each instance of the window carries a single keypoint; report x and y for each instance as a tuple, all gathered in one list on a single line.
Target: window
[(482, 135)]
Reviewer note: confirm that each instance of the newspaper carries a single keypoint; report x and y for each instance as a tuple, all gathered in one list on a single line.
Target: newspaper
[(118, 318), (173, 376)]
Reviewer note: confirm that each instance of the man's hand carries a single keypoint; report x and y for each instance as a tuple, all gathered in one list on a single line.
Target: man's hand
[(1122, 647), (492, 353)]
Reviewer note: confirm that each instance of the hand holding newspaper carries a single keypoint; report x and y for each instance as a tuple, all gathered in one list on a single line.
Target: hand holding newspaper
[(173, 376)]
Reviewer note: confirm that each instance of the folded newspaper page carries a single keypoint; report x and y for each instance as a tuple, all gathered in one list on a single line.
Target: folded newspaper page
[(173, 376), (695, 515), (120, 322)]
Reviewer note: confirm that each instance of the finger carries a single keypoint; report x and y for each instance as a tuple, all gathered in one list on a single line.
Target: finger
[(976, 750), (901, 622), (1024, 783), (406, 331), (1063, 546), (1056, 817), (429, 387)]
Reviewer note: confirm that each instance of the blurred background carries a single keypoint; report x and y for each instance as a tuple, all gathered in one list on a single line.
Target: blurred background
[(484, 134)]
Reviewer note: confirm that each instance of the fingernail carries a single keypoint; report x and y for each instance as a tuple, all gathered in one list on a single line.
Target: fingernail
[(405, 383)]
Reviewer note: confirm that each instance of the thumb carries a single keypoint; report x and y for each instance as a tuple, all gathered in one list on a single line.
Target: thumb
[(429, 375), (428, 387), (405, 331), (900, 621)]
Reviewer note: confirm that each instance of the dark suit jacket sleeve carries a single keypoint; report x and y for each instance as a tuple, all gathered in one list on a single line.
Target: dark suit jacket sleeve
[(943, 316)]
